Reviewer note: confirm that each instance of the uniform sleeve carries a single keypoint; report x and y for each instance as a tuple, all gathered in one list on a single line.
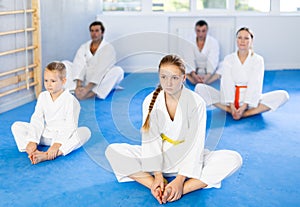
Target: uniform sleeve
[(79, 62), (194, 142), (103, 61), (189, 58), (37, 121), (213, 55), (186, 49), (255, 83), (70, 122), (152, 157), (227, 84)]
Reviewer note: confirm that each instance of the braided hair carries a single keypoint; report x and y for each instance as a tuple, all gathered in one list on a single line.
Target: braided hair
[(168, 59), (146, 124)]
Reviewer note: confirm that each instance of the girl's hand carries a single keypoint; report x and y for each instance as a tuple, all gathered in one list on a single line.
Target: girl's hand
[(158, 186), (174, 189)]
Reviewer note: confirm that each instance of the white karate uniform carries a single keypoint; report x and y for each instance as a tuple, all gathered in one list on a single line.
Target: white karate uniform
[(249, 74), (98, 69), (53, 122), (187, 158), (206, 60)]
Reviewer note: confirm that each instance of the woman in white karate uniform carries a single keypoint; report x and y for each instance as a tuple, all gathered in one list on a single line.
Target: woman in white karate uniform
[(54, 121), (242, 82), (173, 137)]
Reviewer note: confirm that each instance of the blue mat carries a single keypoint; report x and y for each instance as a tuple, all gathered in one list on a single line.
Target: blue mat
[(268, 143)]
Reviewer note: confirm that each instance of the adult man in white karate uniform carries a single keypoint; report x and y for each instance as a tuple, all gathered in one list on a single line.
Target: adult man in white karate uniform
[(93, 71), (202, 57)]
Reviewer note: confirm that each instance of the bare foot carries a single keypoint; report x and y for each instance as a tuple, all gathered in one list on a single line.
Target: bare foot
[(79, 92), (38, 157), (166, 195), (30, 157), (31, 147), (191, 79), (84, 93), (158, 194), (236, 116)]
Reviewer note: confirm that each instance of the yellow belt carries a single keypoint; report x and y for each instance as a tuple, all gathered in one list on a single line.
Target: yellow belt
[(174, 142)]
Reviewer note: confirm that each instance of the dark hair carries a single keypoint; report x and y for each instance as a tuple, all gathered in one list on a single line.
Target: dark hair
[(251, 35), (168, 59), (247, 30), (95, 23), (201, 23), (59, 67)]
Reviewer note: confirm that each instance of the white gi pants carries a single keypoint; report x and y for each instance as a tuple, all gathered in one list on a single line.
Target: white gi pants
[(273, 99), (23, 135), (125, 160), (111, 80)]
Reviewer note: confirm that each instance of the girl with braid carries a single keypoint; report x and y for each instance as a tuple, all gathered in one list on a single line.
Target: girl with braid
[(173, 134)]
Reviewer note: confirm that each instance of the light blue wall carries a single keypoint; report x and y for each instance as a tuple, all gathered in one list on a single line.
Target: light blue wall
[(64, 26)]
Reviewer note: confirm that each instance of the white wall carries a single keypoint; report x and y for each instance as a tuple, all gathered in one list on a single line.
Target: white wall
[(275, 37), (141, 40), (64, 26), (222, 28)]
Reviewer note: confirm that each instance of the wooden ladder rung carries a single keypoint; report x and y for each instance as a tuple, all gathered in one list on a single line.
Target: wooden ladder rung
[(17, 89), (15, 79)]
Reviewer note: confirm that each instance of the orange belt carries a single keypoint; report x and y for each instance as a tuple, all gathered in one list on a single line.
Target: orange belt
[(237, 96)]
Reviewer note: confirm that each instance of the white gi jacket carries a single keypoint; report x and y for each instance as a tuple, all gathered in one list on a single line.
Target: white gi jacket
[(249, 74), (54, 119), (208, 58), (189, 124), (92, 68)]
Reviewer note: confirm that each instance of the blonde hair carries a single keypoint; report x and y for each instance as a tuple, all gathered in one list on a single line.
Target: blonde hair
[(59, 67), (167, 60)]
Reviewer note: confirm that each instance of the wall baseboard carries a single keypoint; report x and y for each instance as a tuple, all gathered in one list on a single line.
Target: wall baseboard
[(16, 102)]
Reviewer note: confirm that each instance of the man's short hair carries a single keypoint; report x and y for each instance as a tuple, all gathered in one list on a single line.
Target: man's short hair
[(95, 23), (201, 23)]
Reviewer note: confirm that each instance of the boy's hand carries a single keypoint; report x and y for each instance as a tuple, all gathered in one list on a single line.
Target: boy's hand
[(53, 151)]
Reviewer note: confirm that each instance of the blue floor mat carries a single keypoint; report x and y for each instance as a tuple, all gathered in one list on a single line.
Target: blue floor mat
[(268, 143)]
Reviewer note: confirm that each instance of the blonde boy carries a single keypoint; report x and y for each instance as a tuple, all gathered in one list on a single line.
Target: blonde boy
[(54, 122)]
